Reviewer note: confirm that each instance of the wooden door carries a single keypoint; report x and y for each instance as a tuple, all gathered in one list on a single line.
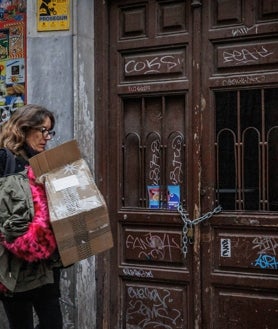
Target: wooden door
[(151, 142), (188, 113), (239, 171)]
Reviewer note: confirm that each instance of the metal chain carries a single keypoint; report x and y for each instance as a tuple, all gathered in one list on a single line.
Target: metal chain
[(189, 224)]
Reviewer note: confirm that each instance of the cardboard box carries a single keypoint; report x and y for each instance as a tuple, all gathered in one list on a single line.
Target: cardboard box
[(78, 212)]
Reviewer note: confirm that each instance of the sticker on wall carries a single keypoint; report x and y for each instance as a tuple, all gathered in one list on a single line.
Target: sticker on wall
[(15, 71), (53, 15), (226, 248), (12, 56), (154, 195), (173, 196)]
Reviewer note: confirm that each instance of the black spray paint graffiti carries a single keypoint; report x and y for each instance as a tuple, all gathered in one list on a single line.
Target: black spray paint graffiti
[(226, 248)]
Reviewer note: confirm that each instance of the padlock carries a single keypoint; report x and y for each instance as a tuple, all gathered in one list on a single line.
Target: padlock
[(190, 233)]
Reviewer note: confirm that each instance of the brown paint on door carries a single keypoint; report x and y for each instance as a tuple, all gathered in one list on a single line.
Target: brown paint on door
[(176, 111)]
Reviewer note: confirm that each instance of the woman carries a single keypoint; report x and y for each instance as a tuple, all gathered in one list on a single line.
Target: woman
[(25, 135)]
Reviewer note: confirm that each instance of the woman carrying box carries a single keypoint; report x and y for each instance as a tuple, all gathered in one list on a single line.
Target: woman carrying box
[(29, 262)]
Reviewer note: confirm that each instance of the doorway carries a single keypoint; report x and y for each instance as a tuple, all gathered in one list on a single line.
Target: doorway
[(188, 115)]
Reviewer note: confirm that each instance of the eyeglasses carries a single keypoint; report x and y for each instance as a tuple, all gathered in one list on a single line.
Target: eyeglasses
[(46, 133)]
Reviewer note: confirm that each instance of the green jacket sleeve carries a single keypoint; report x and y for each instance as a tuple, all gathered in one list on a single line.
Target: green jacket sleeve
[(16, 205)]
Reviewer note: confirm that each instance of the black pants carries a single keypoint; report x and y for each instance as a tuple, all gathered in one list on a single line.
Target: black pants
[(45, 301), (20, 313)]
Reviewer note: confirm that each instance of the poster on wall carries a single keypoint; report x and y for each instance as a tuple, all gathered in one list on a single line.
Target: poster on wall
[(53, 15), (12, 56)]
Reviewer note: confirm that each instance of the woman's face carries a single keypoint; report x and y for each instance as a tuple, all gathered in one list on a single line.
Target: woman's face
[(38, 137)]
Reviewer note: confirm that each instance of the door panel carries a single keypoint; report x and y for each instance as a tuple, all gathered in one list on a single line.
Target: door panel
[(240, 272), (154, 305)]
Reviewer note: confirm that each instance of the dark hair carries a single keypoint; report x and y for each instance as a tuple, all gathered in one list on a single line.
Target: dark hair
[(13, 132)]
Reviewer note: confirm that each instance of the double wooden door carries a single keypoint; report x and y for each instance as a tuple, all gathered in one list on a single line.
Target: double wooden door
[(190, 118)]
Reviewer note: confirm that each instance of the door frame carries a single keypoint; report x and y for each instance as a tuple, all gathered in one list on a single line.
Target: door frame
[(101, 127)]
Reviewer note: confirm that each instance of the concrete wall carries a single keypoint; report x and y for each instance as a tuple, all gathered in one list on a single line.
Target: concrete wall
[(50, 72), (83, 55), (60, 76)]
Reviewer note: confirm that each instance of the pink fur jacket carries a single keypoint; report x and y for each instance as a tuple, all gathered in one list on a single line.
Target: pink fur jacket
[(38, 242)]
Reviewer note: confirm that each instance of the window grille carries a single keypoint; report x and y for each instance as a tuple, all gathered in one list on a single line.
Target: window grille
[(246, 144), (153, 150)]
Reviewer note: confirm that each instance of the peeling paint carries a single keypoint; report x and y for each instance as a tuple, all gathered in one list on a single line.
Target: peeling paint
[(203, 103)]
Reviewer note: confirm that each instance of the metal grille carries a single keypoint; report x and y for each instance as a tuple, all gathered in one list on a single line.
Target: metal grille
[(246, 143), (153, 150)]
